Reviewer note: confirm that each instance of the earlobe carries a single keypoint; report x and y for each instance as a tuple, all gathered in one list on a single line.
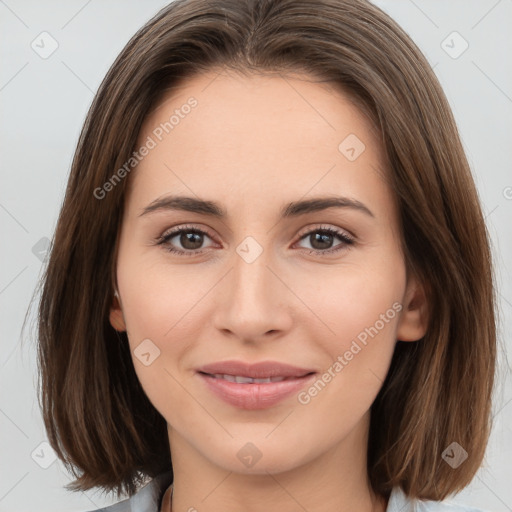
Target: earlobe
[(413, 322), (116, 316)]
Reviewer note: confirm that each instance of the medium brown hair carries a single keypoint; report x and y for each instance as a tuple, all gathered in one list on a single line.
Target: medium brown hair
[(438, 390)]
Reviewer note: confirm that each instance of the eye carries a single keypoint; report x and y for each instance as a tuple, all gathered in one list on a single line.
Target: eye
[(190, 238), (321, 240)]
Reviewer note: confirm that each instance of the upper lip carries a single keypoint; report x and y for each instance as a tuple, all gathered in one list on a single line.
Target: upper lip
[(260, 370)]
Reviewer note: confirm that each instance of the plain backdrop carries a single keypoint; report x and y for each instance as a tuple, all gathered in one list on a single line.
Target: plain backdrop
[(43, 102)]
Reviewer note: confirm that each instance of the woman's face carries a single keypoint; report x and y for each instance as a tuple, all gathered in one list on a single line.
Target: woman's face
[(265, 273)]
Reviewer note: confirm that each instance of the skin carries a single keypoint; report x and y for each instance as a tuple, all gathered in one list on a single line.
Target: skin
[(254, 144)]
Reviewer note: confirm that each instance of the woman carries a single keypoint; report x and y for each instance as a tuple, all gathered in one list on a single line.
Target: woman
[(187, 333)]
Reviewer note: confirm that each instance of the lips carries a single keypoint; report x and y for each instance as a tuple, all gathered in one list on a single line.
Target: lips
[(248, 380), (261, 370), (254, 386)]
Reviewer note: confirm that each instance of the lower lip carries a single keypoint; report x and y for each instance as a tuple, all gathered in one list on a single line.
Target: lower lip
[(255, 396)]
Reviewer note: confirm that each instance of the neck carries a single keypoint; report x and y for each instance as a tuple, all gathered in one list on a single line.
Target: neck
[(336, 480)]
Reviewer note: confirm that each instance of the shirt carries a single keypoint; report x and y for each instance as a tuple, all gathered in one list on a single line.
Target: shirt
[(149, 499)]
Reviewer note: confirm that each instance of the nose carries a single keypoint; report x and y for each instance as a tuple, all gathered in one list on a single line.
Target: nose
[(253, 302)]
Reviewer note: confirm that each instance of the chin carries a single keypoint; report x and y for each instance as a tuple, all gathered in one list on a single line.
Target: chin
[(259, 457)]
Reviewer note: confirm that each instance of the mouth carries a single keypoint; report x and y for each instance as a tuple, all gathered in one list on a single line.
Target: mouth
[(240, 379), (254, 386)]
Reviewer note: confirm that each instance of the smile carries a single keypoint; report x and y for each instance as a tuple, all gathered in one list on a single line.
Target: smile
[(247, 380)]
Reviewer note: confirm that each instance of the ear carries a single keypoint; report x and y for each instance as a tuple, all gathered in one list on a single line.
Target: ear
[(116, 314), (413, 322)]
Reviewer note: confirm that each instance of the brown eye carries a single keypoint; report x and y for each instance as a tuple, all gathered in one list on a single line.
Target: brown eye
[(322, 239), (190, 240), (184, 240)]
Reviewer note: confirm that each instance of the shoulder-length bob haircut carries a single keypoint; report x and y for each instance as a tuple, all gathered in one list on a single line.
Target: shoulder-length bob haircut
[(438, 390)]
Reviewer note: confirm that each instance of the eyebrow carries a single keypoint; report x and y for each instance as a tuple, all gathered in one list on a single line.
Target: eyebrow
[(294, 209)]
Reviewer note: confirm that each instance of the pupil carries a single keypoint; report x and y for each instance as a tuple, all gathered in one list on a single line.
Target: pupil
[(187, 240), (323, 238)]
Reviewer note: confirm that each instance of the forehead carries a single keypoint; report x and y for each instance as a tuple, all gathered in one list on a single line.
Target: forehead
[(275, 132)]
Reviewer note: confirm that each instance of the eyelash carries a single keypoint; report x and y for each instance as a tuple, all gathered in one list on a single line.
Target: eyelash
[(164, 240)]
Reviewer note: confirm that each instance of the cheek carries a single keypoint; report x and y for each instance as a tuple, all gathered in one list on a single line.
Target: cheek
[(165, 305), (160, 302), (161, 322), (361, 307), (355, 298)]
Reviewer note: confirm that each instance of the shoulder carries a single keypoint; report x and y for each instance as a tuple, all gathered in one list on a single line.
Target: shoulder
[(399, 502), (146, 499)]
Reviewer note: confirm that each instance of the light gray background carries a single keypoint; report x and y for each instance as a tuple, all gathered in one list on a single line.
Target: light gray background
[(43, 105)]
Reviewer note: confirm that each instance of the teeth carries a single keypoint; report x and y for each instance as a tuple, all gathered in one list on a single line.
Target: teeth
[(243, 380), (247, 380), (277, 379)]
